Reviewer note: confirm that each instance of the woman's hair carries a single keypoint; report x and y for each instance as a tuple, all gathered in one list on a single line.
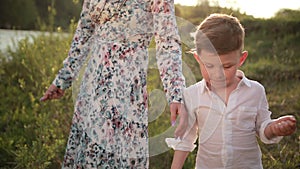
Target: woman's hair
[(220, 33)]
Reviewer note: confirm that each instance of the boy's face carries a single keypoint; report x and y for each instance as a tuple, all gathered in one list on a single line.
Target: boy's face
[(219, 71)]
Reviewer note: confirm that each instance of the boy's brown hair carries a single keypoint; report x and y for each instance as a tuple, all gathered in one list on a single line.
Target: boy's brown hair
[(220, 33)]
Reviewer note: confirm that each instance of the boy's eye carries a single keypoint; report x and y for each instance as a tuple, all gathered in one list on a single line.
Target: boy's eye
[(227, 66)]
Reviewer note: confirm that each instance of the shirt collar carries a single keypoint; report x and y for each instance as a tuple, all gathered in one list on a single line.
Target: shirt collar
[(239, 73), (244, 79), (203, 86)]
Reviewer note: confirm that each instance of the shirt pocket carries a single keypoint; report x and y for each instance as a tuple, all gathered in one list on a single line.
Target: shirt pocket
[(246, 117)]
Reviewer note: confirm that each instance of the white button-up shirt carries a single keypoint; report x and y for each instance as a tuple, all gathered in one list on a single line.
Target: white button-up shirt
[(227, 133)]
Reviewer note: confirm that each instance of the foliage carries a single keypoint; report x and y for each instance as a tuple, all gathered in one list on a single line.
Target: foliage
[(34, 134), (38, 14), (14, 18), (288, 14), (196, 14), (57, 13)]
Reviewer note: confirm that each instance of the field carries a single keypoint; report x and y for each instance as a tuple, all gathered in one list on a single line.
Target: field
[(34, 134)]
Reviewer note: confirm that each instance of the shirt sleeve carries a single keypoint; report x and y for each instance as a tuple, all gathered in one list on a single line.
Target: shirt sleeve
[(263, 120), (168, 49), (188, 141), (78, 51)]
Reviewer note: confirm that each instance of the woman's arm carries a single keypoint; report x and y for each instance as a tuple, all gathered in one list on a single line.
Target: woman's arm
[(168, 51), (76, 57), (78, 51)]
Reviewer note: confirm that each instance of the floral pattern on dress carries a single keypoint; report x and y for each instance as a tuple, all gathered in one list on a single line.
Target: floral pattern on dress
[(110, 123)]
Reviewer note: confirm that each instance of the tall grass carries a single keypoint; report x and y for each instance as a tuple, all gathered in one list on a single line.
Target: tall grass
[(34, 134)]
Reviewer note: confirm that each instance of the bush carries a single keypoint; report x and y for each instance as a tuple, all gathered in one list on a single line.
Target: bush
[(33, 134)]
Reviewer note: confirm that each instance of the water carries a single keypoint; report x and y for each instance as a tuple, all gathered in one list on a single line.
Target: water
[(10, 38)]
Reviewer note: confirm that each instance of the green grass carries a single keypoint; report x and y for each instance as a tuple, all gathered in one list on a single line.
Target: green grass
[(34, 134)]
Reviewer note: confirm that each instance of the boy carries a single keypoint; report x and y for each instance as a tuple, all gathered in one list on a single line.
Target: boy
[(225, 108)]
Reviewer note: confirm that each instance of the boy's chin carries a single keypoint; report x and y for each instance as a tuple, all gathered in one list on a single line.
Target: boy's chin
[(219, 85)]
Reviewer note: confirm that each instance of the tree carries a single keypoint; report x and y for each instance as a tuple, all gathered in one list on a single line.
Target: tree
[(288, 14), (16, 14)]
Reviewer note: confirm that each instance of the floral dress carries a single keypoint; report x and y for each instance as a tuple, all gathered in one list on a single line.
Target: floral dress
[(110, 122)]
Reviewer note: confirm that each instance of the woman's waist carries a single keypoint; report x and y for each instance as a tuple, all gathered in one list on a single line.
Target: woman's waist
[(122, 37)]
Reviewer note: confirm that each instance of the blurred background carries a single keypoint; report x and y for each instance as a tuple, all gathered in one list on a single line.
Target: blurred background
[(35, 37)]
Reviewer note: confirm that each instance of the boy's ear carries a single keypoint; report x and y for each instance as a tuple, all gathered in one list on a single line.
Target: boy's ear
[(243, 57), (196, 57)]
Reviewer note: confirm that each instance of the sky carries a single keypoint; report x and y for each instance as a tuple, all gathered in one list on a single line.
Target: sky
[(256, 8)]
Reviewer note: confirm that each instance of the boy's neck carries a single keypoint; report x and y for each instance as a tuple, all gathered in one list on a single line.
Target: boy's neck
[(225, 92)]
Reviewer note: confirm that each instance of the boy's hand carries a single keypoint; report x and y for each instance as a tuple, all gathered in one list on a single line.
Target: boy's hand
[(52, 93), (283, 126), (183, 123)]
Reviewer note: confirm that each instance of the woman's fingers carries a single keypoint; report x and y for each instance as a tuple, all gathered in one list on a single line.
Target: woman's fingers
[(52, 93), (183, 123), (44, 98)]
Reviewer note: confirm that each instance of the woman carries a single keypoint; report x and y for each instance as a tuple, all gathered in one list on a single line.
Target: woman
[(109, 126)]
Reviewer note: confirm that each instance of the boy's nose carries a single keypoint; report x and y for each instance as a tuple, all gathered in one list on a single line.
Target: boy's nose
[(218, 74)]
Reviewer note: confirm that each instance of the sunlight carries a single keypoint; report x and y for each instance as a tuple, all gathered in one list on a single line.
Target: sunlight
[(257, 8), (186, 2)]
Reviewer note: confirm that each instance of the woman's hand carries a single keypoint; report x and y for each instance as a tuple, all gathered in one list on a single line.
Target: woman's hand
[(53, 92), (183, 119)]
